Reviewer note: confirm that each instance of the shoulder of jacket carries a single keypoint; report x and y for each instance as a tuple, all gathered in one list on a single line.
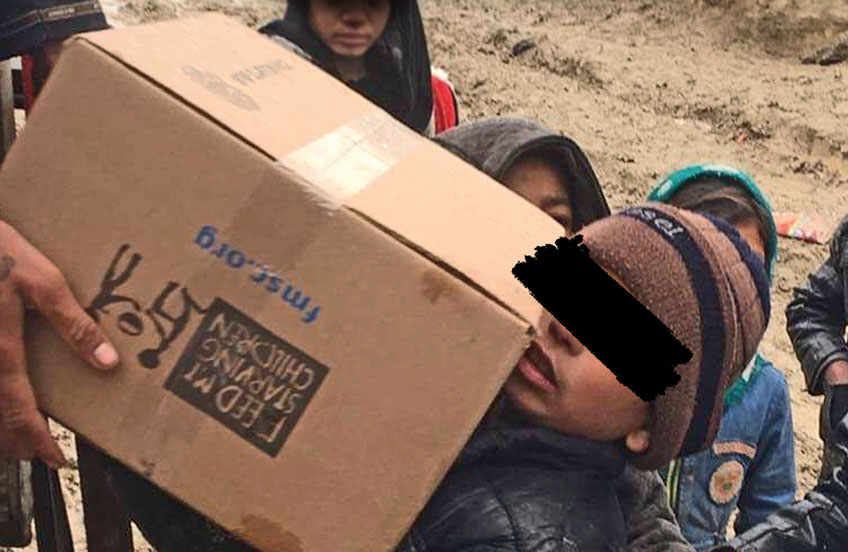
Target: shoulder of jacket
[(769, 393), (776, 389), (839, 242), (412, 542), (441, 74), (771, 374)]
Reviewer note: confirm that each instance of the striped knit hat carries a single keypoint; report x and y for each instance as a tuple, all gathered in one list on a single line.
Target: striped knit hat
[(709, 288)]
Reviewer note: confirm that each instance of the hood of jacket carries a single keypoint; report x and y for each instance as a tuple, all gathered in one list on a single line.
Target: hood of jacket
[(679, 179), (493, 145)]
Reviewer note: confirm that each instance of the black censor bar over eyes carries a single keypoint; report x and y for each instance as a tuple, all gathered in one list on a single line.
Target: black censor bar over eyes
[(622, 333)]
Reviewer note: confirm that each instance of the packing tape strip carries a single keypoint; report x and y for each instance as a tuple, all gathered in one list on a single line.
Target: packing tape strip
[(323, 175), (346, 161)]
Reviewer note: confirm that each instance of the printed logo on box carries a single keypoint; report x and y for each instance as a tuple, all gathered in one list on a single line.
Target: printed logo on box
[(219, 86), (245, 377)]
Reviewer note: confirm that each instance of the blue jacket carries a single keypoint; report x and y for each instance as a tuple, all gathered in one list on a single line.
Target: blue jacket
[(751, 465), (818, 523)]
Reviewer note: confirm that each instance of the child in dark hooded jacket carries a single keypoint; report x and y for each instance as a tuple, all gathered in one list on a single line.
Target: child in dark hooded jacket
[(552, 172), (378, 48), (539, 473)]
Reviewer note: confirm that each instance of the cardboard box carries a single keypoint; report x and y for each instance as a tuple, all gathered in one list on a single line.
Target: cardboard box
[(314, 305)]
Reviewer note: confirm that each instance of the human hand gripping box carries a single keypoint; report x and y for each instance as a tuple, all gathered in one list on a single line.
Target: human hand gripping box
[(314, 305)]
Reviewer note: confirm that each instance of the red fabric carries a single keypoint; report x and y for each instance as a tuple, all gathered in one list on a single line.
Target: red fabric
[(28, 79), (445, 110)]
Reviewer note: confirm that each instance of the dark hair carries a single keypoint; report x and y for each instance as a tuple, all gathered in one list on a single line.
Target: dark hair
[(725, 200)]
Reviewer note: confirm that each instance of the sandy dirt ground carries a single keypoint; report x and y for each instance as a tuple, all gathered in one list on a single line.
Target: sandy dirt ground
[(647, 86)]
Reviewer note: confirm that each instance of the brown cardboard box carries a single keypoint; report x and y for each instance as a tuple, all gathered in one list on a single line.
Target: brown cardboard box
[(314, 305)]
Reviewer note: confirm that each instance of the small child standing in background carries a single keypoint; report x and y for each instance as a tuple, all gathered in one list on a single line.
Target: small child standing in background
[(379, 49), (751, 465)]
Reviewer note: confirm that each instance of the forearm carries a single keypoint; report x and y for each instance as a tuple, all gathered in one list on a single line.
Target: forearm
[(766, 493), (815, 321)]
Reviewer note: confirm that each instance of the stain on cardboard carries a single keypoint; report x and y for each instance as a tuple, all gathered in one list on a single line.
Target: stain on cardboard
[(268, 535), (245, 377), (148, 467), (435, 285)]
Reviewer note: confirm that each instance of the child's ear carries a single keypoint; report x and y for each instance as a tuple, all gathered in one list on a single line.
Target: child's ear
[(638, 441)]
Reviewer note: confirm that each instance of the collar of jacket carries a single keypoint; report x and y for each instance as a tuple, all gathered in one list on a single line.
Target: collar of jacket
[(528, 444), (735, 392)]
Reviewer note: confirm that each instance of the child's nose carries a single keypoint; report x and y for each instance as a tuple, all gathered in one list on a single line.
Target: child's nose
[(354, 14), (564, 338)]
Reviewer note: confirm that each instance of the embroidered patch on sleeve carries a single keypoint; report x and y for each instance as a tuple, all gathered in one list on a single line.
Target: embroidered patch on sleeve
[(726, 482), (735, 447)]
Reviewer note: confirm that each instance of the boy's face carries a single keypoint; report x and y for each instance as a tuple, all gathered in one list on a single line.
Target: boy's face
[(750, 232), (349, 27), (559, 384), (536, 179)]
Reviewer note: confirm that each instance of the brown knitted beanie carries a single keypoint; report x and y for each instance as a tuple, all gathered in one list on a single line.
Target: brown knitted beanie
[(705, 284)]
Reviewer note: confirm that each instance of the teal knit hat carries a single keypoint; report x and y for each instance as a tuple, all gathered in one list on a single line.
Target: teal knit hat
[(678, 179), (672, 184)]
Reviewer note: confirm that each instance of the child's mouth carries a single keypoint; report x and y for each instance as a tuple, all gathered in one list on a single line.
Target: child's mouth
[(351, 39), (536, 366)]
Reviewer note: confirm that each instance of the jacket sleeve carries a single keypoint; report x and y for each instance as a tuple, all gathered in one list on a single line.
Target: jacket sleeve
[(445, 104), (411, 543), (815, 318), (817, 523), (770, 482), (29, 24), (651, 525)]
